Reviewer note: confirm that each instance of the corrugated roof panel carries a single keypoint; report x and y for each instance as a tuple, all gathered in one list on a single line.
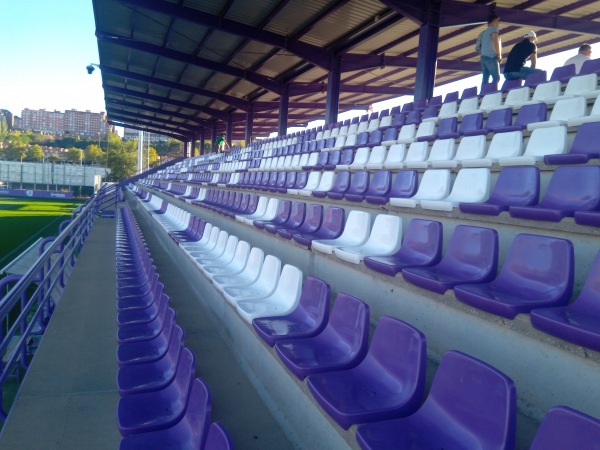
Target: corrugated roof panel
[(184, 36), (249, 14), (193, 75), (219, 82), (168, 69), (295, 16), (278, 64), (211, 7), (219, 45), (401, 28), (140, 62), (340, 22), (250, 54)]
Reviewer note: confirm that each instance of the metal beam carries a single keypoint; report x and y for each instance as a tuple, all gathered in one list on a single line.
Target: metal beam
[(311, 53), (428, 46), (175, 126), (233, 101), (249, 125), (412, 9), (154, 130), (282, 120), (352, 62), (259, 80), (160, 111), (378, 25), (309, 88), (454, 13), (221, 115), (333, 92)]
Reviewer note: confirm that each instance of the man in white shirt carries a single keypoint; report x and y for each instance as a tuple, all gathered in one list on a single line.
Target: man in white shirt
[(585, 53)]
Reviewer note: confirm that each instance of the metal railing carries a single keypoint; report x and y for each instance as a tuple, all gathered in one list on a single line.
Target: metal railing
[(27, 307)]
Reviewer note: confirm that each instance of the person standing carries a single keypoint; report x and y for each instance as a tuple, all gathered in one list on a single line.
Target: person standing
[(585, 54), (491, 51), (515, 67)]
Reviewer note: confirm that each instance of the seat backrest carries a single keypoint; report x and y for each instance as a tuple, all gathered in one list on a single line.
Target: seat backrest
[(546, 90), (471, 122), (349, 323), (380, 183), (563, 73), (396, 153), (313, 181), (569, 108), (573, 188), (468, 104), (435, 184), (534, 260), (218, 438), (358, 223), (430, 111), (289, 286), (361, 156), (422, 242), (351, 140), (333, 222), (506, 144), (375, 138), (536, 112), (471, 185), (342, 182), (413, 117), (564, 427), (407, 131), (390, 134), (586, 140), (479, 401), (398, 119), (508, 85), (378, 154), (326, 181), (447, 125), (417, 151), (359, 183), (297, 214), (340, 141), (442, 150), (405, 184), (472, 249), (535, 78), (448, 108), (517, 186), (385, 121), (362, 139), (499, 118), (398, 350), (488, 88), (547, 141), (425, 129), (491, 100), (590, 66), (313, 218)]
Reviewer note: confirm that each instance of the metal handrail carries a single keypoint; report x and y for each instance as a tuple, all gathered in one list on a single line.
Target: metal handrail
[(32, 291)]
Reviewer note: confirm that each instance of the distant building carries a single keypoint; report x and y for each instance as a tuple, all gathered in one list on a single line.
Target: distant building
[(130, 134), (81, 123), (10, 119)]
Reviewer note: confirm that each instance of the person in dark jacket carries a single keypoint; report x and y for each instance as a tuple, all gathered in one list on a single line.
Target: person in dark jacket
[(515, 67)]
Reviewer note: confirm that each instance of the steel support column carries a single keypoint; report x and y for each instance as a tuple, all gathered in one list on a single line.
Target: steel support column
[(284, 101), (249, 124), (213, 136), (193, 149), (426, 63), (202, 141), (228, 129), (333, 92)]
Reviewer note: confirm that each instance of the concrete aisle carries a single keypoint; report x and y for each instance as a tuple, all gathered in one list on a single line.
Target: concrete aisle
[(68, 399)]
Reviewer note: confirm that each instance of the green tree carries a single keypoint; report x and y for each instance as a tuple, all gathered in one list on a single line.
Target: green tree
[(53, 159), (15, 151), (35, 153), (74, 156), (3, 129), (94, 154), (122, 163)]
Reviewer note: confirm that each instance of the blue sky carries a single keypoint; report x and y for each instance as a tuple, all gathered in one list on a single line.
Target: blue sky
[(44, 48), (46, 44)]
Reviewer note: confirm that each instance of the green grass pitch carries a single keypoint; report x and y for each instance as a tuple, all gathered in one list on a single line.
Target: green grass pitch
[(23, 220)]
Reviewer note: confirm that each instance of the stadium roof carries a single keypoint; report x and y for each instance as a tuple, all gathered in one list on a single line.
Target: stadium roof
[(186, 67)]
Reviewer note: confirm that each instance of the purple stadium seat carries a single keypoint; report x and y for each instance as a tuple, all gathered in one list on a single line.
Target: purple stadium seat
[(589, 218), (190, 432), (334, 160), (586, 146), (535, 78), (388, 383), (409, 106), (430, 111), (527, 114), (390, 136), (321, 161), (498, 119), (563, 73), (331, 227), (150, 376), (341, 345), (488, 88), (152, 350), (413, 117), (511, 84), (294, 220), (451, 97), (146, 331), (471, 405), (421, 247), (311, 223), (537, 273), (564, 427), (361, 141), (471, 257), (571, 188), (374, 138), (578, 322), (307, 320), (379, 187), (283, 214), (446, 129), (157, 410), (218, 438), (358, 186), (290, 181), (516, 186), (398, 120), (437, 100), (471, 125), (144, 315), (590, 66), (405, 185), (340, 185)]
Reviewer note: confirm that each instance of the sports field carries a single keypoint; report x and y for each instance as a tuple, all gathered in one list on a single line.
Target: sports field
[(24, 220)]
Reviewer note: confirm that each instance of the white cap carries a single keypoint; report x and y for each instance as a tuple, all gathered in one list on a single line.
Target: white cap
[(531, 34)]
